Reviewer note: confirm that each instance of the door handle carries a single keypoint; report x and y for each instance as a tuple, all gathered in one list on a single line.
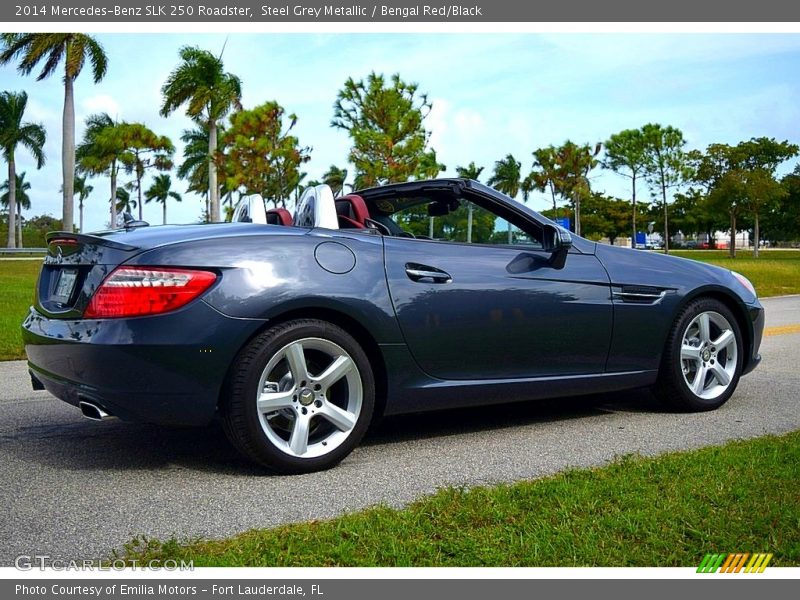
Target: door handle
[(417, 272)]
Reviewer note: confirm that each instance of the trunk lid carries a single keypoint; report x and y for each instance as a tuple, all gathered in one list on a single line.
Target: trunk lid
[(74, 267)]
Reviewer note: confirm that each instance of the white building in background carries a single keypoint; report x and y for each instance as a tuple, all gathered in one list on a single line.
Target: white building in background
[(723, 239)]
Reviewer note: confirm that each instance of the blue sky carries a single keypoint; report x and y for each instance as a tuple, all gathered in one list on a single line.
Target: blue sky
[(492, 93)]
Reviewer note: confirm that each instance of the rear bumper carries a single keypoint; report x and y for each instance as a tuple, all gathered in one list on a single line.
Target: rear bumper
[(167, 369), (756, 313)]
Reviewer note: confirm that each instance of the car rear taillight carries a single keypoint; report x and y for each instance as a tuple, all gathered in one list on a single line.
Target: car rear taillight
[(139, 291)]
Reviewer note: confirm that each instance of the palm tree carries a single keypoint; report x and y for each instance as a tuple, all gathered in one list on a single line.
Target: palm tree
[(160, 192), (506, 179), (22, 200), (194, 168), (227, 189), (103, 151), (74, 49), (471, 171), (506, 176), (209, 93), (147, 150), (15, 132), (335, 178), (83, 191), (125, 203), (546, 174)]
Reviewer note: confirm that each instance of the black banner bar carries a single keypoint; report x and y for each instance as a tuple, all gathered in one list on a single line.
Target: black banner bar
[(319, 11), (392, 589)]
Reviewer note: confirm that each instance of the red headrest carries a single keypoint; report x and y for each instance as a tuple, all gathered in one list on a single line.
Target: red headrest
[(356, 208), (279, 216)]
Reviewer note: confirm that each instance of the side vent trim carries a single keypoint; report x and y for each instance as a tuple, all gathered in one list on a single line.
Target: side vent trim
[(635, 294)]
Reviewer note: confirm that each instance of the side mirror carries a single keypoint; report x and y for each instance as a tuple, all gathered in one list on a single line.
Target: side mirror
[(557, 241), (441, 208)]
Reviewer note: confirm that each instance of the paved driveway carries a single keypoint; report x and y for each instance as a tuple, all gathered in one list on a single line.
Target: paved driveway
[(71, 488)]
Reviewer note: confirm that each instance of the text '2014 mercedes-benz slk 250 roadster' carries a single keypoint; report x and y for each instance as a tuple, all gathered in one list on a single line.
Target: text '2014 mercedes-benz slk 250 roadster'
[(409, 297)]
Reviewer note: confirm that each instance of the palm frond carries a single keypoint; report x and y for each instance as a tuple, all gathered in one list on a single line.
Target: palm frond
[(33, 136), (14, 131), (75, 56), (98, 58), (49, 49)]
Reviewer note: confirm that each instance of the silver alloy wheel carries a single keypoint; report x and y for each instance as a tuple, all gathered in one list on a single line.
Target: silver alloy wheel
[(708, 355), (309, 397)]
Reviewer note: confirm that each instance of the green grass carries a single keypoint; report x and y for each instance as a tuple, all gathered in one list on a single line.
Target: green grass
[(17, 281), (667, 511), (774, 273)]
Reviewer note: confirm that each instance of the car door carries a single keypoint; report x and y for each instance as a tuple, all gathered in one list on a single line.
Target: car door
[(483, 311)]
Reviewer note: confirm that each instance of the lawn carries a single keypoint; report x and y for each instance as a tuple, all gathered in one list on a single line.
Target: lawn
[(665, 511), (17, 281), (774, 273)]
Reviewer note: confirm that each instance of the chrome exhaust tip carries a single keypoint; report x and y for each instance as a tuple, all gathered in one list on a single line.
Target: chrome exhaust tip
[(92, 411)]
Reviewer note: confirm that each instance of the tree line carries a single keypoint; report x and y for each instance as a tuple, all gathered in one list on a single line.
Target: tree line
[(232, 150)]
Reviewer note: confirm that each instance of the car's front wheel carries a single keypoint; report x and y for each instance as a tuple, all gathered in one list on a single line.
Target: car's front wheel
[(702, 359), (300, 397)]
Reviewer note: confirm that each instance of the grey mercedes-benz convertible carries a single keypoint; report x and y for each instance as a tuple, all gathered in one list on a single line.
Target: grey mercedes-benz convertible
[(403, 298)]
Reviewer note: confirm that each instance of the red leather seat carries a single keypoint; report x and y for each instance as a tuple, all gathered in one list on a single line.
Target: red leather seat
[(279, 216), (352, 212)]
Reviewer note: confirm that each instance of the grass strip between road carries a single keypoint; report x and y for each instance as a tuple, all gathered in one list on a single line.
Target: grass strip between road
[(17, 282), (664, 511), (774, 273)]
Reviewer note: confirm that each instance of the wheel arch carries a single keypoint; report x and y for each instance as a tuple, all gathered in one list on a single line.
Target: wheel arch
[(734, 304), (351, 325)]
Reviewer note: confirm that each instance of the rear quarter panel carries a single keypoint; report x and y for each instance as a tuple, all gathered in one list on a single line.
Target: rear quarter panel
[(265, 276)]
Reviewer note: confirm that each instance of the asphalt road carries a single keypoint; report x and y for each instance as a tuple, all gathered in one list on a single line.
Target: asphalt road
[(75, 489)]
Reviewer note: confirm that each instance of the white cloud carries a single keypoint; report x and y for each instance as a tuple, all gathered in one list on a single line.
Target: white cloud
[(101, 103), (470, 120), (436, 123)]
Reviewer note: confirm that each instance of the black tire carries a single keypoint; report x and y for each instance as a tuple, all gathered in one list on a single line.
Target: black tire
[(673, 387), (249, 429)]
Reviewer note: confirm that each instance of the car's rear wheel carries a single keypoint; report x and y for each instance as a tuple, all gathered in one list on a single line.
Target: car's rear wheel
[(300, 397), (702, 359)]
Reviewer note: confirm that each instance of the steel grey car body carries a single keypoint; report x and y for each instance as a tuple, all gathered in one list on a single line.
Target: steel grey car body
[(507, 324)]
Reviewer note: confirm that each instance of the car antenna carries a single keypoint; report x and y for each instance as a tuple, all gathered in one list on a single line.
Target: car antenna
[(128, 222)]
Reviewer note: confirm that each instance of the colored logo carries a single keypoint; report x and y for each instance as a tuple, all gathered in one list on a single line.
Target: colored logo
[(739, 562)]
